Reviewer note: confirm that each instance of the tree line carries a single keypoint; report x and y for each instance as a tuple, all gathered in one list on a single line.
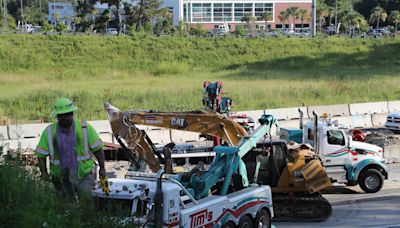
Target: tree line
[(357, 15), (146, 15)]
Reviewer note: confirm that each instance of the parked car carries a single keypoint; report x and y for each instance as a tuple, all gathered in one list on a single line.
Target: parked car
[(380, 32), (112, 31), (393, 121)]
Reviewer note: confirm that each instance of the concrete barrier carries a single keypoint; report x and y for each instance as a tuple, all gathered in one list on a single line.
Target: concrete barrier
[(391, 153), (361, 121), (368, 108), (332, 110), (21, 131), (287, 113), (101, 126), (291, 123), (3, 133), (378, 120), (14, 144), (394, 106), (344, 120), (160, 136), (178, 136), (107, 137)]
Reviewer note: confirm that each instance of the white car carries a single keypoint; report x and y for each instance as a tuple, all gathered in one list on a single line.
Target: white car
[(111, 32), (393, 121)]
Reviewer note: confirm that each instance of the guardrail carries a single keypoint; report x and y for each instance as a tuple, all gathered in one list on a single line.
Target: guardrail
[(371, 114)]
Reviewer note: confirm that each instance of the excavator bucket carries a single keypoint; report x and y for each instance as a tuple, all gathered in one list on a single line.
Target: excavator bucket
[(315, 176)]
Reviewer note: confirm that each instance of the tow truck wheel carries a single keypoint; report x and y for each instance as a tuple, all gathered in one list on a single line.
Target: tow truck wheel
[(371, 180), (229, 224), (262, 220), (246, 222)]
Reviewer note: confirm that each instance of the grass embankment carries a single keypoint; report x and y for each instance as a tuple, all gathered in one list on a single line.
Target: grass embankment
[(167, 73)]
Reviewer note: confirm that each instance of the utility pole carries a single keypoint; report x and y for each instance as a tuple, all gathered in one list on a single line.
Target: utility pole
[(336, 17), (5, 14), (22, 11), (54, 11), (313, 17)]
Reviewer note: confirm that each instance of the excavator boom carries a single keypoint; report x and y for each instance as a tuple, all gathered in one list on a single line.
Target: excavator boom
[(123, 125), (204, 122)]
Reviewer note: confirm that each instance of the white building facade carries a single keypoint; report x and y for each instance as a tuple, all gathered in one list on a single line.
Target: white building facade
[(61, 12), (212, 13)]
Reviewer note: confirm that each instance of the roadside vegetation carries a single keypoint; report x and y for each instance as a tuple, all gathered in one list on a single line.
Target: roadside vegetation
[(166, 73), (27, 201)]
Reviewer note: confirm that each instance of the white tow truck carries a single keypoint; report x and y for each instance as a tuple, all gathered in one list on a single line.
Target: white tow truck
[(160, 201), (202, 197), (346, 161)]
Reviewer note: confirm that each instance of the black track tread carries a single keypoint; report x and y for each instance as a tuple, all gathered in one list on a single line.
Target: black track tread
[(300, 208)]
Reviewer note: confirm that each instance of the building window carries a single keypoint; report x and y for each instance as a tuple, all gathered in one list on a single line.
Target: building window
[(242, 9), (261, 8), (201, 12), (222, 12), (186, 12)]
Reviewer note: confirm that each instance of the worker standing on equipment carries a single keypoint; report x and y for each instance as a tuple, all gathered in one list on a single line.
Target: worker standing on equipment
[(70, 143)]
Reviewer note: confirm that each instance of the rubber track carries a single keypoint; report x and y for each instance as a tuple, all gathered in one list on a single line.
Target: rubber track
[(301, 208)]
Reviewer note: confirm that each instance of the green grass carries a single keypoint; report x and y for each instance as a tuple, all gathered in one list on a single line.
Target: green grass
[(27, 201), (167, 73)]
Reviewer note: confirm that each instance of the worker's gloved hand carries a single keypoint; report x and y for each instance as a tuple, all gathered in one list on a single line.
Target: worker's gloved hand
[(104, 184)]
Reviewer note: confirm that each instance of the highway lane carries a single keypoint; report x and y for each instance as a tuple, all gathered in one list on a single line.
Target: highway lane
[(354, 208), (379, 214)]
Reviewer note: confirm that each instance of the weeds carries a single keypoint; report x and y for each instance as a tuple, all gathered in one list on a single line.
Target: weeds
[(167, 73), (27, 201)]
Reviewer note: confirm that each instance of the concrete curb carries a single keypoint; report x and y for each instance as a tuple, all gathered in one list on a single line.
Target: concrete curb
[(364, 199)]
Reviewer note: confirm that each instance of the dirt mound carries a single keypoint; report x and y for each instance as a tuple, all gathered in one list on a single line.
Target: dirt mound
[(381, 139)]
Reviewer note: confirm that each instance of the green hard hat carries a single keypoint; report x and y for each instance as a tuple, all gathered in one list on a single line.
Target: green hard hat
[(63, 105)]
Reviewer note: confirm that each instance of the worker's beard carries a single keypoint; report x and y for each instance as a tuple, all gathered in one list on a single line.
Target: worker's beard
[(65, 123)]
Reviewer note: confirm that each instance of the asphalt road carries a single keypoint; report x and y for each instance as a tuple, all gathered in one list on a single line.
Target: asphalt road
[(354, 208), (383, 213)]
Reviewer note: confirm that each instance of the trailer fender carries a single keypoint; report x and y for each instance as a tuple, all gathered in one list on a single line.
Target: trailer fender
[(353, 172)]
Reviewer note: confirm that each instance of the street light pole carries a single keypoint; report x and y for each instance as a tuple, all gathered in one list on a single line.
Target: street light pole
[(336, 17), (22, 11), (313, 17)]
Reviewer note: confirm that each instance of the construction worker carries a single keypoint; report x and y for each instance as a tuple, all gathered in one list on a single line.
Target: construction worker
[(70, 143)]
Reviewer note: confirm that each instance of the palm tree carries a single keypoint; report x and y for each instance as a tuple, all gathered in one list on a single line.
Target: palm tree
[(395, 18), (56, 17), (284, 16), (378, 14), (356, 21), (267, 16), (304, 16), (250, 21), (321, 13), (294, 12), (93, 12)]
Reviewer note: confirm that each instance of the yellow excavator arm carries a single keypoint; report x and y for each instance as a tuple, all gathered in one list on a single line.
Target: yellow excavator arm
[(123, 125)]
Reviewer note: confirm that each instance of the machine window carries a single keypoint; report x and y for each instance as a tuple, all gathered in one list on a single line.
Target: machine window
[(336, 137)]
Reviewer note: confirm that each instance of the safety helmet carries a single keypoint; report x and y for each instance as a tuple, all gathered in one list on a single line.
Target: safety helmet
[(64, 105)]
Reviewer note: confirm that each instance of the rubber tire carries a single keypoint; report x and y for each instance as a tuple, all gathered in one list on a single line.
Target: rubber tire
[(246, 222), (229, 224), (263, 214), (365, 174)]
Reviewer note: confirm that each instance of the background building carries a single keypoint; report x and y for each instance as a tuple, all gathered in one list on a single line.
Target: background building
[(61, 12), (213, 13)]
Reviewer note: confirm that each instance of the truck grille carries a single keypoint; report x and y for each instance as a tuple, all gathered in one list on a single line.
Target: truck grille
[(393, 119)]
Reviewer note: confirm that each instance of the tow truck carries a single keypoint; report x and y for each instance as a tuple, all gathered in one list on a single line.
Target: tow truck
[(347, 161), (201, 197)]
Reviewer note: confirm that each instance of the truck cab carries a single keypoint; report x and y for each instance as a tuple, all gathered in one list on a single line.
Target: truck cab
[(346, 161)]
